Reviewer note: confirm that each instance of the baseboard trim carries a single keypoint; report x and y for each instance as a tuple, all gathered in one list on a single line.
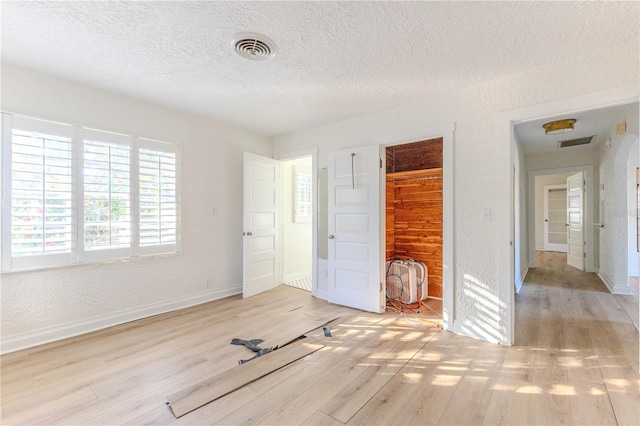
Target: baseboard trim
[(52, 334), (295, 277), (520, 279), (469, 329), (614, 289)]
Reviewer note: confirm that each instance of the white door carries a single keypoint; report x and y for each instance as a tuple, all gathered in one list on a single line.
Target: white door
[(354, 228), (261, 219), (555, 218), (575, 221)]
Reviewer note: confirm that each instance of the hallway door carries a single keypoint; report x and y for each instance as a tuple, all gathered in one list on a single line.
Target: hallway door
[(575, 221)]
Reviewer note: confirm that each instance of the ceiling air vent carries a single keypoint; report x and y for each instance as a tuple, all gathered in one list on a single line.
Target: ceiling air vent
[(254, 46), (575, 142)]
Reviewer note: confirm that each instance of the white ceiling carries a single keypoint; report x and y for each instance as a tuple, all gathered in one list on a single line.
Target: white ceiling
[(599, 123), (335, 60)]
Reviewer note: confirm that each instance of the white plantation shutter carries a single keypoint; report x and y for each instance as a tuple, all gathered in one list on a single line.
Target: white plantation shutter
[(73, 195), (106, 191), (42, 198), (158, 196)]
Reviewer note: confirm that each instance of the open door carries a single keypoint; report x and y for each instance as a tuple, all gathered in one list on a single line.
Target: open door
[(261, 220), (354, 229), (575, 221)]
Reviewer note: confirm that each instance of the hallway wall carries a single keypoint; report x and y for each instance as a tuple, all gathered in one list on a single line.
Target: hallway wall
[(614, 210)]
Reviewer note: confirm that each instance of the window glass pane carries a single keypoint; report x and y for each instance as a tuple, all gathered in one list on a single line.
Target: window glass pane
[(107, 194), (303, 195), (157, 186), (41, 194)]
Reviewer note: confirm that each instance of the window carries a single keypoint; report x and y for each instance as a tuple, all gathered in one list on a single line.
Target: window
[(38, 212), (302, 201), (75, 195), (158, 210), (106, 190)]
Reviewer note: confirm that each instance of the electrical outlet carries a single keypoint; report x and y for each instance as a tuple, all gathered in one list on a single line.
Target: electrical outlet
[(207, 282)]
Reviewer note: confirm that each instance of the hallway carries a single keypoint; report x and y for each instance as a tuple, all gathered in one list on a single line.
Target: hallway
[(579, 340)]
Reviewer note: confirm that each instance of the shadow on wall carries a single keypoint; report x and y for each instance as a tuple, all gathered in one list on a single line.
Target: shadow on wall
[(487, 308)]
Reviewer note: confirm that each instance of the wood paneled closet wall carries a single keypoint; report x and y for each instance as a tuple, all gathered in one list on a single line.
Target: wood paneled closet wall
[(414, 206)]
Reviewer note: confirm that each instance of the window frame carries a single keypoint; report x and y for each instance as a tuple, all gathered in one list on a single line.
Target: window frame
[(105, 253), (79, 254), (144, 143)]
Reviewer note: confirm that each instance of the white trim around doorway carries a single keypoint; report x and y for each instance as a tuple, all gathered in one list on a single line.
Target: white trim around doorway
[(313, 153), (446, 132), (590, 208), (505, 215)]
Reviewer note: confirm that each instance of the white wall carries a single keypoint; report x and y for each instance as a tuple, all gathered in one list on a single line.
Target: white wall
[(297, 241), (634, 162), (478, 303), (540, 183), (615, 214), (521, 236), (43, 305)]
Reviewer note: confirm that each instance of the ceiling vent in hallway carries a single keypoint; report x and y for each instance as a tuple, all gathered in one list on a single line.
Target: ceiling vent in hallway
[(575, 142), (253, 46)]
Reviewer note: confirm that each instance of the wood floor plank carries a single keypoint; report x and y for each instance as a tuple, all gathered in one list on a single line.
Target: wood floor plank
[(421, 389), (349, 400), (219, 385), (46, 412), (575, 361), (215, 411), (508, 398), (320, 419), (261, 407), (590, 404), (160, 415)]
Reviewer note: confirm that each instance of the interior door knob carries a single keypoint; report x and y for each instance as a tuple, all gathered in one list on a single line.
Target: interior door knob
[(331, 237)]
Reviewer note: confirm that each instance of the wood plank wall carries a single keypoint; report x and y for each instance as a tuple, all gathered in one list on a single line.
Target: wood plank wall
[(414, 221), (415, 156), (414, 206)]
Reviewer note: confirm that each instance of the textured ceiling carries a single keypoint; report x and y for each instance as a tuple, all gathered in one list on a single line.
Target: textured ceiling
[(599, 123), (335, 60)]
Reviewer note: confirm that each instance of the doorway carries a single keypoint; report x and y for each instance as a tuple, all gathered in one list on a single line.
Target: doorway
[(510, 153), (279, 218), (414, 227), (296, 219)]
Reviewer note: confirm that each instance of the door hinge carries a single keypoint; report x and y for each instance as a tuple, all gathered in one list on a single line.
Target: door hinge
[(381, 287), (584, 254), (381, 163)]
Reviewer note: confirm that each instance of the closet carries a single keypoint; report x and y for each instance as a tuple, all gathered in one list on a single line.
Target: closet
[(414, 207)]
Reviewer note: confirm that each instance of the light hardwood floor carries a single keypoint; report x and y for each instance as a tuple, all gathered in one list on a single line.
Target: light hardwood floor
[(575, 361)]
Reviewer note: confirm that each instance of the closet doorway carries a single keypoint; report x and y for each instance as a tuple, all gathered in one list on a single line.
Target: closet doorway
[(414, 227)]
